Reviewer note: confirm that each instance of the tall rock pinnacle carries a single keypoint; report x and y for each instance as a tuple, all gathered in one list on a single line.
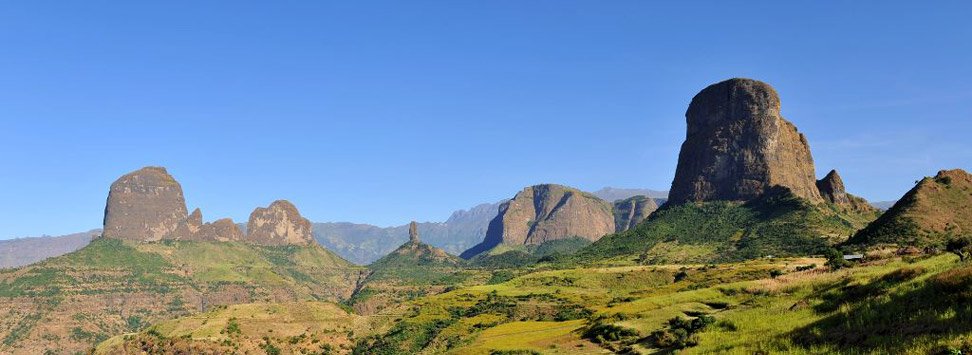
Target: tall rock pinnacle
[(738, 146), (413, 234), (145, 205)]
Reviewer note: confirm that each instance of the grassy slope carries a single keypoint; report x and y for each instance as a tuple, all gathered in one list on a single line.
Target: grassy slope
[(934, 209), (413, 270), (292, 327), (918, 306), (778, 224), (71, 302)]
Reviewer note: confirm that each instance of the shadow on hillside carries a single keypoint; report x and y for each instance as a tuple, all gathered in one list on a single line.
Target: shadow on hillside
[(938, 307)]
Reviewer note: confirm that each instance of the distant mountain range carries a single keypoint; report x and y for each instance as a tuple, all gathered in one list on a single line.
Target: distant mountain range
[(357, 242), (24, 251), (611, 194), (365, 243)]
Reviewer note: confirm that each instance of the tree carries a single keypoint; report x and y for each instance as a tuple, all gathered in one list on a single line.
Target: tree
[(961, 246), (835, 259)]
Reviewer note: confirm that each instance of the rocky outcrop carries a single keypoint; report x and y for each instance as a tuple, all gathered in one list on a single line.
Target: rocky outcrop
[(548, 212), (145, 205), (278, 224), (413, 234), (936, 208), (631, 211), (738, 146), (832, 190), (148, 205), (222, 230)]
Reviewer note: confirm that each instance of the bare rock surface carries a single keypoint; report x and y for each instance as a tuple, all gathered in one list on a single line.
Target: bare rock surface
[(631, 211), (278, 224), (547, 212), (832, 190), (145, 205), (222, 230), (738, 146)]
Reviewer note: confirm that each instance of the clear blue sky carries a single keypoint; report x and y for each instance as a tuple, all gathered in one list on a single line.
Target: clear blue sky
[(382, 112)]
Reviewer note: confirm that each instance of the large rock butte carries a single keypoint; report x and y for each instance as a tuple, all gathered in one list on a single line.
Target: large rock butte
[(738, 146), (278, 224), (548, 212), (145, 205)]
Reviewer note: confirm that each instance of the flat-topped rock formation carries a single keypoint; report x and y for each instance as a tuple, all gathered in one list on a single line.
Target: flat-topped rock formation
[(738, 146), (145, 205)]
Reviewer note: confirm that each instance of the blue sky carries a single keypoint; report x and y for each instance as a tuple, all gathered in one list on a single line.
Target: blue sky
[(383, 112)]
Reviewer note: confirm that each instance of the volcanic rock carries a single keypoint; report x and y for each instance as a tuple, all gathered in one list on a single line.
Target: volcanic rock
[(413, 234), (631, 211), (738, 146), (278, 224), (832, 190), (144, 205), (548, 212), (222, 230)]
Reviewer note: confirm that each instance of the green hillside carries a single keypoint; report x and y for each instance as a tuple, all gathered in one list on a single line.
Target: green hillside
[(74, 301), (777, 224), (791, 306), (936, 209)]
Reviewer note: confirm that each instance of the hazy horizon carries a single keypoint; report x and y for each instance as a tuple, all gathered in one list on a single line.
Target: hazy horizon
[(418, 109)]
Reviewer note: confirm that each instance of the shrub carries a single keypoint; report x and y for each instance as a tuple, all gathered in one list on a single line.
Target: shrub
[(681, 275), (961, 246), (602, 333), (681, 332), (806, 267)]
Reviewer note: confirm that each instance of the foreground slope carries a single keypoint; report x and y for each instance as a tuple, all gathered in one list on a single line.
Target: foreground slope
[(69, 303), (935, 209), (289, 327), (793, 306)]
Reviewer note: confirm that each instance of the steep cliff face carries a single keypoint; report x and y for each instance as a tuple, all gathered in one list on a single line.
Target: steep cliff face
[(278, 224), (144, 205), (934, 209), (631, 211), (738, 146), (548, 212)]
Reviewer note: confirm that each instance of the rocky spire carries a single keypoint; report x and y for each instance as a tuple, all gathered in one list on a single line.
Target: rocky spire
[(738, 146), (413, 234), (832, 188)]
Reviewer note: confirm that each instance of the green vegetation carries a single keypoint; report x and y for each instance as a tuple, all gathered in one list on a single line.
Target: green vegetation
[(778, 224)]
